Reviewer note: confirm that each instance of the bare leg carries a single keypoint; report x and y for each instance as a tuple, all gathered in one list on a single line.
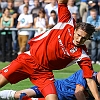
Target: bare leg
[(51, 97), (3, 81), (29, 92)]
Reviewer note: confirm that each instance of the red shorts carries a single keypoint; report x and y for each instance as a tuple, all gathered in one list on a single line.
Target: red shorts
[(24, 67)]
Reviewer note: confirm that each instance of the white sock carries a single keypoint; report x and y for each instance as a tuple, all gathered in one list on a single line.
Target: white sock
[(7, 95)]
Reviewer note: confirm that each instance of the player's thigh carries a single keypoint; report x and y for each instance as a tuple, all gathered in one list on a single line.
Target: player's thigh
[(51, 97), (14, 72), (48, 90)]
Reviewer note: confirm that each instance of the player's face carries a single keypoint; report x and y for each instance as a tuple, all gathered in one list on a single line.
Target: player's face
[(80, 37)]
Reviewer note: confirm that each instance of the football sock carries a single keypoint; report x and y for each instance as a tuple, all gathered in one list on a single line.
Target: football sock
[(7, 95)]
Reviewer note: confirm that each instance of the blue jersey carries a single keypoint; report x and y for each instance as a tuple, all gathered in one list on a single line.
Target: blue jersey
[(66, 87)]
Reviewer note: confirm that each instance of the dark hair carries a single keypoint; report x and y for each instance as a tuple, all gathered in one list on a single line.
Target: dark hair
[(93, 10), (10, 1), (88, 28), (26, 7), (42, 10), (5, 9), (53, 11)]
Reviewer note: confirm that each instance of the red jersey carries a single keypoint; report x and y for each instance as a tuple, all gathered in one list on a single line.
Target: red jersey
[(55, 49)]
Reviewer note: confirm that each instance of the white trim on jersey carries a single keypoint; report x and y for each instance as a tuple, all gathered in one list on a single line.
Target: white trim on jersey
[(59, 26), (83, 55), (27, 52)]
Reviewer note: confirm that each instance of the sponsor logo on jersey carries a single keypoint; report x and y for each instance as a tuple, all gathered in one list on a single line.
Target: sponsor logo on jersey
[(62, 46), (69, 32)]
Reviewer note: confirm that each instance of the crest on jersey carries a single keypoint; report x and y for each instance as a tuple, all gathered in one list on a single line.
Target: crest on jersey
[(73, 50)]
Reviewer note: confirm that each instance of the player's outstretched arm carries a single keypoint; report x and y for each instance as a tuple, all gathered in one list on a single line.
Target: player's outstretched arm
[(79, 94), (93, 88)]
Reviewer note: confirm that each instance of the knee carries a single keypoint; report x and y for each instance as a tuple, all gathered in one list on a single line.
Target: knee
[(17, 95), (3, 81)]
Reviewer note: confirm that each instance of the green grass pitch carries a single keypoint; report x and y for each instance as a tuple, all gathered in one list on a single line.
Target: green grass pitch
[(64, 73)]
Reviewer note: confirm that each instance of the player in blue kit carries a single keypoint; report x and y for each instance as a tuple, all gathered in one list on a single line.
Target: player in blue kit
[(67, 89)]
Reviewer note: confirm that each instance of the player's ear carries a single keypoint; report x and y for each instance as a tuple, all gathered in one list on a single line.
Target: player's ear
[(75, 31)]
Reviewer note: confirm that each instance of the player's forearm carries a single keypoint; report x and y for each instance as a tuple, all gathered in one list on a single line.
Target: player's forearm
[(62, 1), (93, 88)]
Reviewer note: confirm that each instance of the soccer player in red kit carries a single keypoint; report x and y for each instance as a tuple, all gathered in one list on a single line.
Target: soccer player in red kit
[(55, 49)]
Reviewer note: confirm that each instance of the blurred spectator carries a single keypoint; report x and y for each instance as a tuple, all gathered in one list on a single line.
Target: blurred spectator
[(6, 37), (72, 7), (47, 1), (35, 10), (3, 4), (42, 3), (40, 22), (13, 11), (83, 10), (94, 19), (25, 20), (26, 3), (74, 15), (93, 4), (99, 6), (51, 6), (0, 12), (31, 35), (31, 2), (17, 3), (52, 19), (0, 31), (14, 14)]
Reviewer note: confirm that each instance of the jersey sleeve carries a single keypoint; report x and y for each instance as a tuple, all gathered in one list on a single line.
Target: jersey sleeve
[(63, 13), (86, 65)]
